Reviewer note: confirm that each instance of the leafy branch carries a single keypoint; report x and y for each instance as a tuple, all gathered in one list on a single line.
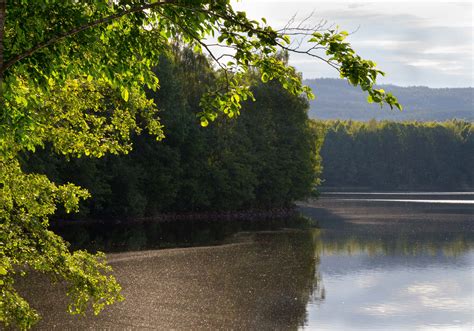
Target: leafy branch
[(5, 66)]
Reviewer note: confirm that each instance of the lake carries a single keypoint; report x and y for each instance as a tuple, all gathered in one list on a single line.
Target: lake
[(394, 261), (378, 261)]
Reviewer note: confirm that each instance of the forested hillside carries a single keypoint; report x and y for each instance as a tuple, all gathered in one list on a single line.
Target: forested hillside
[(265, 158), (398, 155), (336, 99)]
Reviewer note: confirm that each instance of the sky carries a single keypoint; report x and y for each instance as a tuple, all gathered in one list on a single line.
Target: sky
[(427, 43)]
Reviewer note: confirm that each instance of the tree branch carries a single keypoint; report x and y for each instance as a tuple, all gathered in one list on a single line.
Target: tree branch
[(299, 30), (3, 5), (5, 66), (199, 41), (2, 31)]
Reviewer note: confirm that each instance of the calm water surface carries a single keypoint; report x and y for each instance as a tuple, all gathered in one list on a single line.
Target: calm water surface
[(373, 265), (391, 264)]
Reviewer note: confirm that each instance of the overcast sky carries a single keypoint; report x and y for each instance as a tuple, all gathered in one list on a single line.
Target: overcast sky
[(415, 42)]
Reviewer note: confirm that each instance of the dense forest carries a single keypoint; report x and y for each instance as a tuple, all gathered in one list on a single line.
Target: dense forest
[(336, 99), (398, 155), (267, 157)]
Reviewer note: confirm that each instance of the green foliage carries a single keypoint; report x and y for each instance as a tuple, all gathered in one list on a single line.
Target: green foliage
[(399, 155), (267, 157), (25, 203), (73, 78), (357, 71)]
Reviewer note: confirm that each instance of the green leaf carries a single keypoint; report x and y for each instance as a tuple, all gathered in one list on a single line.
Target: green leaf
[(204, 122), (21, 100), (125, 94)]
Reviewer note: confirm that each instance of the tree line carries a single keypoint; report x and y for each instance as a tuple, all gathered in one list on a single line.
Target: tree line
[(265, 158), (270, 156), (398, 155)]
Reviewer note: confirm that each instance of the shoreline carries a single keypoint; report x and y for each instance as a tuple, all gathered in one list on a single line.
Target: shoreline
[(215, 216)]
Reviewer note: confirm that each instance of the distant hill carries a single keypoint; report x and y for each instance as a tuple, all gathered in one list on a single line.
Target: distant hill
[(336, 99)]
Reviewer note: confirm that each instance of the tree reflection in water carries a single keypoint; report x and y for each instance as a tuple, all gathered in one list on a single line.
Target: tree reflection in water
[(247, 280)]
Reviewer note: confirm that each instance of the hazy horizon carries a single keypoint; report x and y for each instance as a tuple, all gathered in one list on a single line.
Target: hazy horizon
[(398, 85)]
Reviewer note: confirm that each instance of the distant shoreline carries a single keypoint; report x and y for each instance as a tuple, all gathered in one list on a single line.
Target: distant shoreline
[(331, 210)]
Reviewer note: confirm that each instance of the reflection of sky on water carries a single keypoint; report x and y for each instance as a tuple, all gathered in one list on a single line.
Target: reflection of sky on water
[(400, 193), (394, 293), (456, 202), (394, 261)]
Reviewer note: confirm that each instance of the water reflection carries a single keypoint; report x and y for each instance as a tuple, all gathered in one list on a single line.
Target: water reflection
[(393, 294), (393, 267), (366, 268), (109, 236), (454, 202)]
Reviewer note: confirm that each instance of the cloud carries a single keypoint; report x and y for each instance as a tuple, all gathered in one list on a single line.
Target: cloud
[(385, 309), (387, 43), (449, 50), (415, 43), (448, 68), (356, 5)]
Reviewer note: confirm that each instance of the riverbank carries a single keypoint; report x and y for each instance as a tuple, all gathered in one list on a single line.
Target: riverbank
[(174, 230), (239, 215)]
